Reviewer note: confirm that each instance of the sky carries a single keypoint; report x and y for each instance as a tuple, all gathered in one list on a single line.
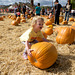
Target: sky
[(42, 2)]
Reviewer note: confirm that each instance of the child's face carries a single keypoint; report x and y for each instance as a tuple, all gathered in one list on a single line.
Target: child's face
[(39, 25)]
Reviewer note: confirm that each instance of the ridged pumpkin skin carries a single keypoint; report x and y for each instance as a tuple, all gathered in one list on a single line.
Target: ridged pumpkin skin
[(44, 55), (73, 27), (65, 36)]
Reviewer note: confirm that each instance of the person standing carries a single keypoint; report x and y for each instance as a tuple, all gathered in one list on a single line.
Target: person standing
[(68, 10), (43, 11), (38, 9), (57, 8), (15, 10), (24, 9)]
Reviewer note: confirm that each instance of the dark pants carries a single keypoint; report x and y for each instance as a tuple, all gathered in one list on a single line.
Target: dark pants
[(24, 13), (57, 19), (38, 14)]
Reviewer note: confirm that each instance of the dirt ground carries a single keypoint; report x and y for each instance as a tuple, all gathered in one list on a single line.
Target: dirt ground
[(11, 52)]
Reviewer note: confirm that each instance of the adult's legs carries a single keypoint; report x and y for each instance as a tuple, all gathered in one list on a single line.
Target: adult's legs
[(55, 18), (68, 15), (58, 19), (65, 15)]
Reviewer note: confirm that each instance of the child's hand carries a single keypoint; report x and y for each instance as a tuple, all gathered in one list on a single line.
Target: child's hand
[(29, 52)]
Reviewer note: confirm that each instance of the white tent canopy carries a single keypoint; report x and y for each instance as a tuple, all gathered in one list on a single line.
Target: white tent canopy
[(11, 7)]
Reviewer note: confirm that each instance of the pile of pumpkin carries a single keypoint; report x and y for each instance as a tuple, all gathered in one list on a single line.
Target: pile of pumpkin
[(70, 20), (17, 20)]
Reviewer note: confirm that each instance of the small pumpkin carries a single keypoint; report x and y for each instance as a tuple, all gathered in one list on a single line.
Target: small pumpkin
[(64, 22), (60, 19), (48, 22), (44, 34), (44, 55), (71, 19), (22, 15), (49, 31), (29, 16), (73, 26), (18, 19), (50, 26), (1, 18), (39, 39), (65, 35), (14, 23), (23, 20)]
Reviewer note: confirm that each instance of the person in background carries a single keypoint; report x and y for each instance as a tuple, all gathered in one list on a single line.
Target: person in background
[(38, 9), (15, 11), (57, 10), (30, 36), (48, 11), (43, 11), (24, 9), (51, 12), (19, 10), (68, 10)]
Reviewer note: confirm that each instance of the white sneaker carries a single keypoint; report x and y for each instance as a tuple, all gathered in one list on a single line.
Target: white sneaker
[(25, 56)]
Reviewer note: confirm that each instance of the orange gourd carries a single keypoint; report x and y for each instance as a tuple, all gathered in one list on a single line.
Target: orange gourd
[(1, 18), (18, 19), (49, 31), (39, 39), (44, 55), (60, 19), (64, 22), (44, 34), (65, 35), (71, 19), (23, 20), (14, 23), (48, 22)]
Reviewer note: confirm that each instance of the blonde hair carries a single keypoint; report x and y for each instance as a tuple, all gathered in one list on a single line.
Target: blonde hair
[(34, 20)]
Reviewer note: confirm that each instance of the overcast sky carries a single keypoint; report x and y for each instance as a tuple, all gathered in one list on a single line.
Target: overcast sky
[(42, 2)]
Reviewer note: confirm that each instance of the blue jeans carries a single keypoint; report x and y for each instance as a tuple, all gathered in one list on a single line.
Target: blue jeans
[(67, 15)]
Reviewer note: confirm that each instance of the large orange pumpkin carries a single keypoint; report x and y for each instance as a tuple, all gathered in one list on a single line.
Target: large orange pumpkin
[(44, 55), (48, 31), (65, 35), (48, 22)]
